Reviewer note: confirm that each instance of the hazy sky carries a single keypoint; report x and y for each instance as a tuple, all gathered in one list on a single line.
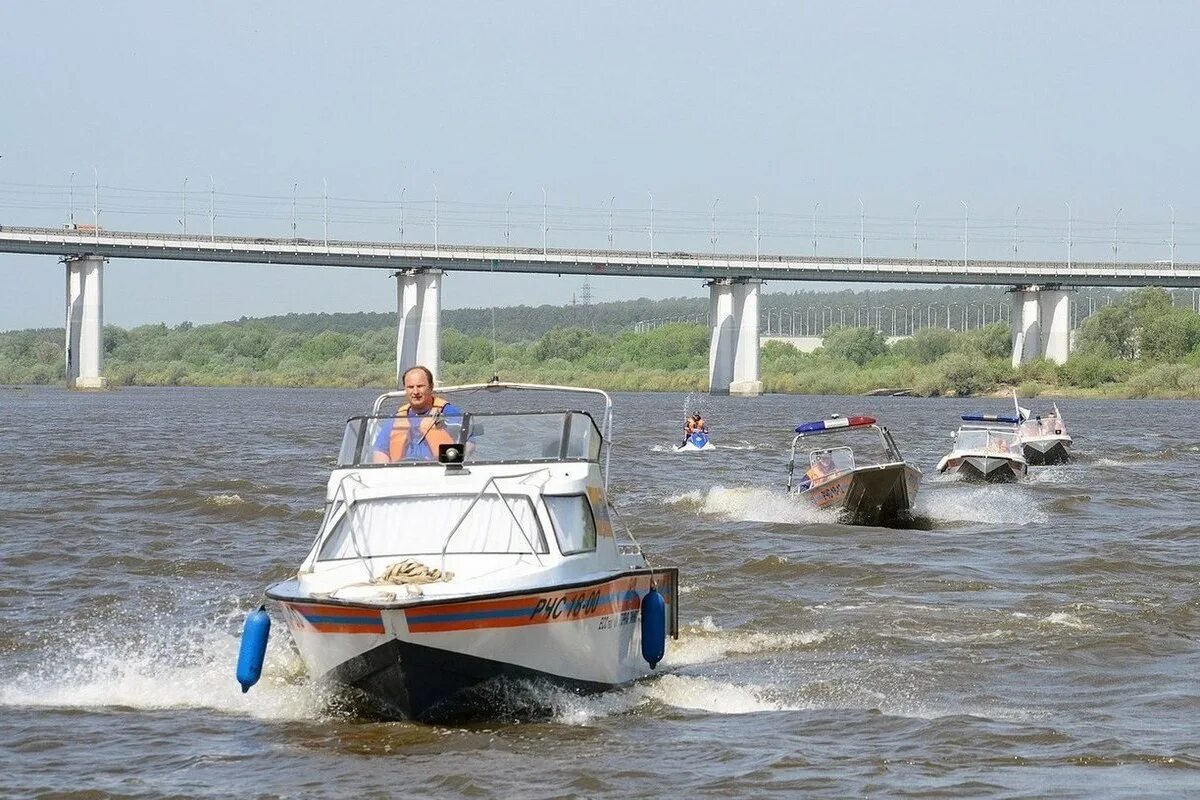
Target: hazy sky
[(994, 104)]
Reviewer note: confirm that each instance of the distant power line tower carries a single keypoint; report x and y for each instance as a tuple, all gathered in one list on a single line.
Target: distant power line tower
[(585, 315)]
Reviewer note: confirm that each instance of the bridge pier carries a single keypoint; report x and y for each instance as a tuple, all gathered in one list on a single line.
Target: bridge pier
[(85, 322), (733, 344), (1041, 324), (419, 325)]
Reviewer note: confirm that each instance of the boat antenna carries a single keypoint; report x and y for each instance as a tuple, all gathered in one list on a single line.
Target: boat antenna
[(495, 372)]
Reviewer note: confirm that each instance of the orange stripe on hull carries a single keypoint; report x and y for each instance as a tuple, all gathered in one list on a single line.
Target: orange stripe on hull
[(532, 609)]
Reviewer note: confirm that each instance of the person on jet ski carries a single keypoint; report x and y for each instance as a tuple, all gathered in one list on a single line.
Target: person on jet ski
[(694, 424)]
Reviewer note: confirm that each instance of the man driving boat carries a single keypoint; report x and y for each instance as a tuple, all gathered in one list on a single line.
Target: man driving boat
[(818, 471), (420, 426), (694, 424)]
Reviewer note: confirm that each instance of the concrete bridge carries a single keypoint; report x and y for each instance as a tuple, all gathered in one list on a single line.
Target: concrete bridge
[(1039, 289)]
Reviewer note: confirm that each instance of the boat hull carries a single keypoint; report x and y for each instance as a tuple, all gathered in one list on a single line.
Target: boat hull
[(1046, 451), (404, 680), (449, 659), (875, 495), (984, 468)]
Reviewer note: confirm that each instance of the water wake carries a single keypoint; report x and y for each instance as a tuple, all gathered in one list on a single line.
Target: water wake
[(748, 504), (167, 668), (684, 692), (704, 642), (998, 505)]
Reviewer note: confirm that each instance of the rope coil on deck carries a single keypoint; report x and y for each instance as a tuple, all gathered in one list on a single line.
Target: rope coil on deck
[(410, 571)]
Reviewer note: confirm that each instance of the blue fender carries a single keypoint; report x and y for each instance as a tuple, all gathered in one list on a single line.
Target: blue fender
[(254, 648), (654, 627)]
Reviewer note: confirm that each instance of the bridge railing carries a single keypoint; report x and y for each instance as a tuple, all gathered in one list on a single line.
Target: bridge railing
[(669, 264)]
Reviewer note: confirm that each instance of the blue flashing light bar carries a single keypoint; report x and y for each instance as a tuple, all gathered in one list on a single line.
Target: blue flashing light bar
[(834, 424), (989, 418)]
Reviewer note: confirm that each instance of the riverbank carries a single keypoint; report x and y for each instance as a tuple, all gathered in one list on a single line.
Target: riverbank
[(657, 382), (1140, 348)]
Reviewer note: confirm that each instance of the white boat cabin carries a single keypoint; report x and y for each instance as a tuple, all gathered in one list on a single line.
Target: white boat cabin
[(509, 500)]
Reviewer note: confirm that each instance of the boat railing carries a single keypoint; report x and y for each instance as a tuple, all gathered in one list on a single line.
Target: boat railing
[(499, 386), (987, 438), (606, 422), (492, 484), (890, 449), (1049, 425), (342, 536), (489, 438)]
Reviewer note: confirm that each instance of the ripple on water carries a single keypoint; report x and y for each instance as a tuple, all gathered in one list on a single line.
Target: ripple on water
[(1049, 624)]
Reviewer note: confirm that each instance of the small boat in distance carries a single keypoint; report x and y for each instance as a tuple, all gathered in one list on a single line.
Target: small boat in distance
[(989, 450), (696, 442), (432, 583), (1044, 437), (870, 485)]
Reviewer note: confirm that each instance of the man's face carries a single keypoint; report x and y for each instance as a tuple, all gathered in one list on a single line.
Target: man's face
[(418, 390)]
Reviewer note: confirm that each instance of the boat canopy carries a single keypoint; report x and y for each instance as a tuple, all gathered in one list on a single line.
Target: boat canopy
[(989, 418), (834, 424)]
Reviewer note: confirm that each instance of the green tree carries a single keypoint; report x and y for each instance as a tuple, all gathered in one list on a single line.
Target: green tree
[(326, 346), (570, 344), (1167, 334), (991, 341), (964, 374), (1089, 370), (858, 345), (1109, 333), (1147, 303), (927, 345)]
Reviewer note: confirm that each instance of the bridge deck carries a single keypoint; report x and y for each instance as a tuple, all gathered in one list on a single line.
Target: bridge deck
[(486, 258)]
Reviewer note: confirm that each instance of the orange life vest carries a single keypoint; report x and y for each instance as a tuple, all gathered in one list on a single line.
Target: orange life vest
[(436, 434)]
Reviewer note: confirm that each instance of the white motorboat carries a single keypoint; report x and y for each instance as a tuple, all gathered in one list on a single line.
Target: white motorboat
[(987, 450), (431, 584), (696, 442), (1044, 437), (873, 485)]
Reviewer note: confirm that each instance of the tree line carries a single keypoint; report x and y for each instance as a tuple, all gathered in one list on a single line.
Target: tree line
[(1141, 345)]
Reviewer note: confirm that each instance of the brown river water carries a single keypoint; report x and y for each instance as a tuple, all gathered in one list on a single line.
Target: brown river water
[(1032, 640)]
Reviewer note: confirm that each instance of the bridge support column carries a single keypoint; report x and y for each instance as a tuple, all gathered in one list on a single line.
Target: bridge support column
[(1056, 327), (733, 344), (419, 326), (1041, 324), (85, 323)]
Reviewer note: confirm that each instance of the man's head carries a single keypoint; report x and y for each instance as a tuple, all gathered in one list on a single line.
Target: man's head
[(418, 388), (696, 415)]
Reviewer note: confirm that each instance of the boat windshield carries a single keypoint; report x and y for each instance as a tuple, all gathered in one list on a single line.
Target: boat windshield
[(1042, 426), (833, 461), (431, 525), (490, 438), (983, 439)]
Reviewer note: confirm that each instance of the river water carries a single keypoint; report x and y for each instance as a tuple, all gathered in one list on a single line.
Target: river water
[(1029, 640)]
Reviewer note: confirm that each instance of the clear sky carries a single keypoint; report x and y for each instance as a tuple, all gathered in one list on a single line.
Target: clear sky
[(992, 104)]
